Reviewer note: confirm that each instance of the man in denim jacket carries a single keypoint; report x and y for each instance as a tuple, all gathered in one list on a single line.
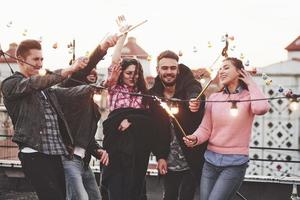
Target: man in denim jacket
[(41, 130)]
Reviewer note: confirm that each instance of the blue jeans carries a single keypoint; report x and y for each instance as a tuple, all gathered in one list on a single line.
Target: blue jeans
[(221, 183), (80, 181)]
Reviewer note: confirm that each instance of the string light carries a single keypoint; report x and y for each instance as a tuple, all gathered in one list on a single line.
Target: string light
[(242, 56), (202, 80), (9, 24), (209, 44), (234, 110), (294, 104), (195, 49), (42, 72), (180, 53), (247, 63), (55, 45), (174, 108), (97, 97), (25, 32)]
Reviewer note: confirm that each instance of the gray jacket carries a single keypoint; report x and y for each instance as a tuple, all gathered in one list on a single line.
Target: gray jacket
[(23, 104)]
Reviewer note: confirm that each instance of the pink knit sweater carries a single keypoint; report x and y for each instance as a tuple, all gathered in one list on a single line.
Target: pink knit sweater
[(227, 134)]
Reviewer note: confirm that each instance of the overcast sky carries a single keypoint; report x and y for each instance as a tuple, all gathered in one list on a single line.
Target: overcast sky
[(262, 28)]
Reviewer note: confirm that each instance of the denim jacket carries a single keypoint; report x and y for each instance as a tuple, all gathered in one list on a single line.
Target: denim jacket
[(23, 104)]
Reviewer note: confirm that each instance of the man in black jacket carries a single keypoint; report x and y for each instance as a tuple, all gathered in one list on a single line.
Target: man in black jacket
[(82, 116), (41, 130), (181, 166)]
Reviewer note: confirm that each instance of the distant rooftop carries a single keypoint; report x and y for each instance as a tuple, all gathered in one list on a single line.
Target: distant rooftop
[(132, 49), (11, 51), (295, 45)]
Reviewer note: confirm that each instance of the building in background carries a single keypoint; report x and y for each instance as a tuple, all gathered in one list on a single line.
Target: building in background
[(8, 149), (280, 128)]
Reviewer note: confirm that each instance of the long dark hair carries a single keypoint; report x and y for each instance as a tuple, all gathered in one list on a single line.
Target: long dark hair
[(141, 84), (239, 65)]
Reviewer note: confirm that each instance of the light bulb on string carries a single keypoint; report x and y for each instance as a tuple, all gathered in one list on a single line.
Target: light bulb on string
[(97, 97), (55, 45), (195, 49), (180, 53), (231, 38), (264, 76), (174, 108), (242, 56), (209, 45), (149, 58), (223, 38), (232, 48), (268, 82), (234, 109), (42, 72), (25, 32), (202, 80), (294, 104), (9, 24)]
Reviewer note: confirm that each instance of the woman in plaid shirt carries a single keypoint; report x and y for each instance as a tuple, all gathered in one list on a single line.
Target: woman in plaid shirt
[(124, 77)]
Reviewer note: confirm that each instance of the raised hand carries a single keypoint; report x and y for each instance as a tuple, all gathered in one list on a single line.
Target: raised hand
[(122, 24), (246, 77)]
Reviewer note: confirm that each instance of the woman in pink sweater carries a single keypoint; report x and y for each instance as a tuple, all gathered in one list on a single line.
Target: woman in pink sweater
[(226, 157)]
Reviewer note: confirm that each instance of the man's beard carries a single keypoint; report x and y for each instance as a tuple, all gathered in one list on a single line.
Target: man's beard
[(170, 84)]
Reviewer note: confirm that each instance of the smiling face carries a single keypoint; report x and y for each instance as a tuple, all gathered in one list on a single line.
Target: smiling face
[(35, 58), (129, 76), (167, 71), (228, 73)]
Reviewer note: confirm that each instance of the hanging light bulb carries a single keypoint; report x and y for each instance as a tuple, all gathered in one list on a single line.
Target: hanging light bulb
[(202, 80), (9, 24), (149, 58), (180, 53), (242, 56), (234, 110), (42, 72), (264, 76), (231, 38), (195, 49), (40, 39), (232, 48), (280, 89), (174, 109), (55, 45), (25, 32), (223, 38), (268, 82), (97, 97), (294, 104), (247, 63), (209, 44)]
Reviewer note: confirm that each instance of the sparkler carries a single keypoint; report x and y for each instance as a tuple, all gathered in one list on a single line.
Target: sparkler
[(165, 106), (132, 28)]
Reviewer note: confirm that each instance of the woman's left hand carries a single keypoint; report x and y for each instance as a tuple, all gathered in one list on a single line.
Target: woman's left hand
[(246, 77), (124, 125), (103, 156)]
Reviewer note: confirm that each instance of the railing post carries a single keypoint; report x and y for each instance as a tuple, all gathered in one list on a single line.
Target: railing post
[(294, 195)]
